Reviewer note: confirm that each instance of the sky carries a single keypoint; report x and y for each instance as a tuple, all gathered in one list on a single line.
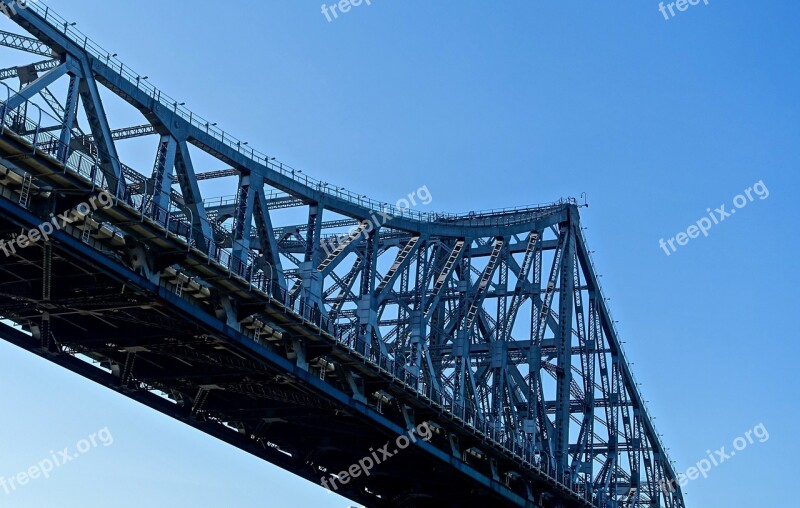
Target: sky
[(488, 105)]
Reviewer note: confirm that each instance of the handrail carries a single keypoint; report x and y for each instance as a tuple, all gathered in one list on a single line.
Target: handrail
[(270, 163)]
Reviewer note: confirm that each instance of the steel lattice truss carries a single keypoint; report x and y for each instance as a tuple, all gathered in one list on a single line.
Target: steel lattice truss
[(496, 317)]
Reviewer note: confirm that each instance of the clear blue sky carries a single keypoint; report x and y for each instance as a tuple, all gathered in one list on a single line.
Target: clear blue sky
[(489, 104)]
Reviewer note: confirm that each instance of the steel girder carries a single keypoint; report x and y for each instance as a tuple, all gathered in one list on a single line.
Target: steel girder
[(22, 43), (497, 318)]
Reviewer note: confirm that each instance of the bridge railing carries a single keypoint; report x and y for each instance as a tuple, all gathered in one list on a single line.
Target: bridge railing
[(495, 217), (42, 140)]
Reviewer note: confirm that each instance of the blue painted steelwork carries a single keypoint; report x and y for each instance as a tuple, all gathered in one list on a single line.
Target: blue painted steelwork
[(451, 319)]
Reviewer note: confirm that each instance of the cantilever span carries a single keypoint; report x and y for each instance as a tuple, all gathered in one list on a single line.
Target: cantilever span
[(299, 342)]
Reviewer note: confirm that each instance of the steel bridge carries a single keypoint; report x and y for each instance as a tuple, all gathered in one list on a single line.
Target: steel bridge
[(308, 341)]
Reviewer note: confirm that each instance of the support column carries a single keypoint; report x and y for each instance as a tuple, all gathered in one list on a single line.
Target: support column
[(564, 350)]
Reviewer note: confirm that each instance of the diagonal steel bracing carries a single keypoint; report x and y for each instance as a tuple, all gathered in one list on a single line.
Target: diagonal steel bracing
[(490, 326)]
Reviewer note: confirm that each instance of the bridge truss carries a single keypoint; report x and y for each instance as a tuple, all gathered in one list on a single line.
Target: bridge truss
[(306, 342)]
